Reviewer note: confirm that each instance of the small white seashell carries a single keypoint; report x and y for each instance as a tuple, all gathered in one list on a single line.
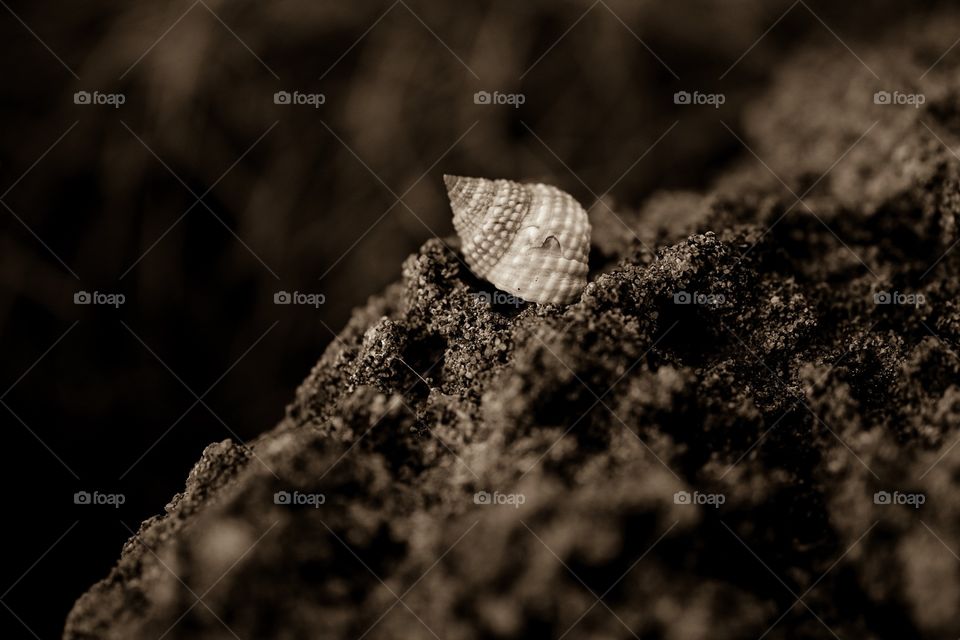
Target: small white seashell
[(530, 240)]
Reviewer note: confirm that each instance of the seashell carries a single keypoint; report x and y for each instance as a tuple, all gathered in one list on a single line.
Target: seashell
[(530, 240)]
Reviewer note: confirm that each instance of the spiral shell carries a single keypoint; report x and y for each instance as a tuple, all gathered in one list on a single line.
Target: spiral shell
[(530, 240)]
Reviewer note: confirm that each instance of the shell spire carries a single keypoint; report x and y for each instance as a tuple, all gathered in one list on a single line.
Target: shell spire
[(530, 240)]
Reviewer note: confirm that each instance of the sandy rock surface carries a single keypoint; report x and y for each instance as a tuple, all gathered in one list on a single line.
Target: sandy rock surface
[(783, 387)]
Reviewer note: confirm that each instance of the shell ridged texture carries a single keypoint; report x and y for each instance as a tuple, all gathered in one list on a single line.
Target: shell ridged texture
[(530, 240)]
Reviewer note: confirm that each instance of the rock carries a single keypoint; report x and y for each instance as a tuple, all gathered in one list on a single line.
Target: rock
[(697, 442)]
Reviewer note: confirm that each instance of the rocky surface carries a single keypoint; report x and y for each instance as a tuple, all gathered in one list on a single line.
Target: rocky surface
[(784, 388)]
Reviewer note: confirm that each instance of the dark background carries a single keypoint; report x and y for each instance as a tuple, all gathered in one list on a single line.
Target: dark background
[(293, 198)]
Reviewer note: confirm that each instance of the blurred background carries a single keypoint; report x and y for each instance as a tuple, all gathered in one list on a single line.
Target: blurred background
[(204, 194)]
